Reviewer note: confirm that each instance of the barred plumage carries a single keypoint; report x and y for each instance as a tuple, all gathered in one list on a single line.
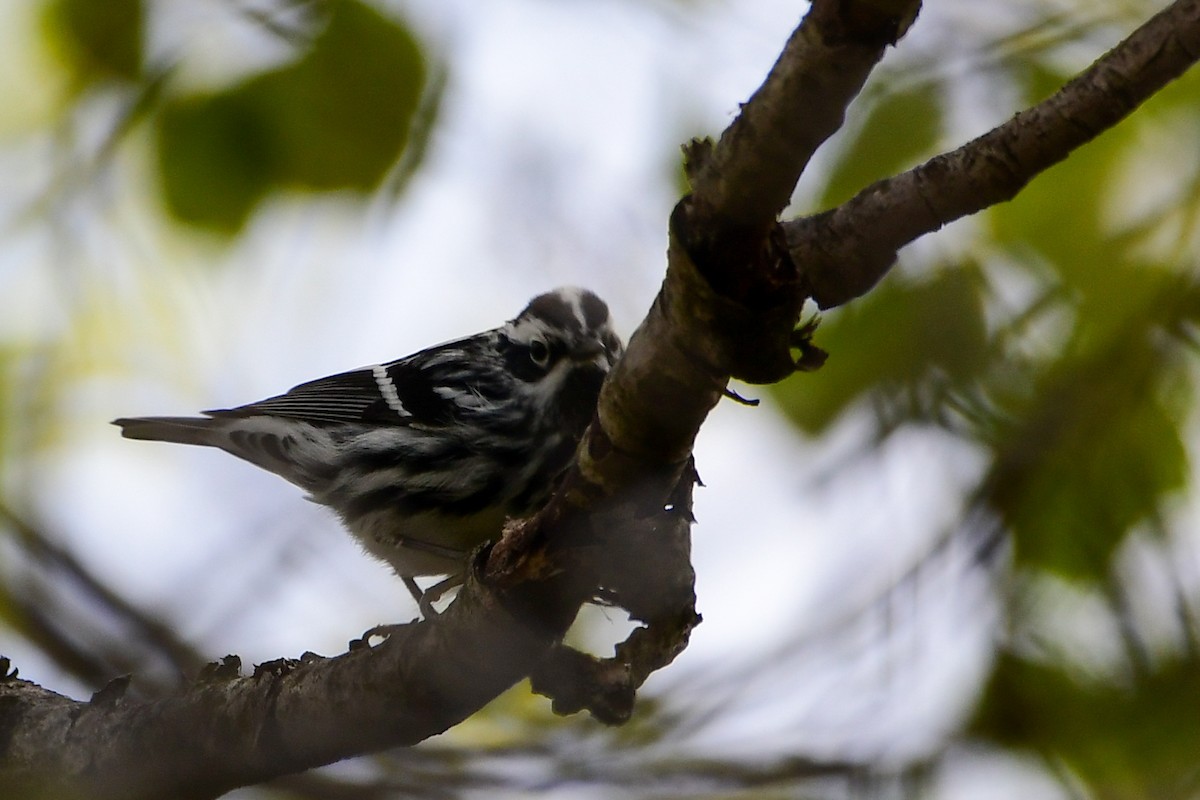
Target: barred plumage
[(424, 457)]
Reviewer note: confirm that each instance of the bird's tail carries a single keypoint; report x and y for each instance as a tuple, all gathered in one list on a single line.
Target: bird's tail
[(181, 430), (309, 461)]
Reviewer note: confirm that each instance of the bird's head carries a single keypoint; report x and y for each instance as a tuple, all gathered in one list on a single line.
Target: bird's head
[(562, 345)]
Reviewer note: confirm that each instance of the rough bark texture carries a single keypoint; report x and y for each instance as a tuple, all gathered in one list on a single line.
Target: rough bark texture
[(742, 183), (618, 529), (226, 729)]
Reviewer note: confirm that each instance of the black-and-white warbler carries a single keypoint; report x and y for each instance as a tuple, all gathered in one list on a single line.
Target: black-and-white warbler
[(425, 457)]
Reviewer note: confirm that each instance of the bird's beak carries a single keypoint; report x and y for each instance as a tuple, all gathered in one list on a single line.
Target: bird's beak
[(594, 352)]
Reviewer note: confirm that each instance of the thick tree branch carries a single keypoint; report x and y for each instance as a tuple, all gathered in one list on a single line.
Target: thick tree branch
[(845, 251), (748, 177), (742, 183), (228, 730)]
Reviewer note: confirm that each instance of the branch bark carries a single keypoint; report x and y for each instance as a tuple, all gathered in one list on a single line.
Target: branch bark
[(227, 730), (747, 178), (742, 183), (729, 305), (845, 251)]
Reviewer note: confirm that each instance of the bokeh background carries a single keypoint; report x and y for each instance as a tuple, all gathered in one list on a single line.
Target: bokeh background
[(960, 561)]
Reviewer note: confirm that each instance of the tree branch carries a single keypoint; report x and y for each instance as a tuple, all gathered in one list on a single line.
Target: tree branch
[(227, 730), (845, 251), (742, 183), (747, 178)]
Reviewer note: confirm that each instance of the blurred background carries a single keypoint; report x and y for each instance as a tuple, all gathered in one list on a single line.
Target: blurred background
[(960, 561)]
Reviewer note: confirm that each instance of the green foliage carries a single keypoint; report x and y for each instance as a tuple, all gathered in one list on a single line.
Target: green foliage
[(1067, 356), (901, 130), (1137, 740), (100, 38), (1091, 451), (1085, 436), (338, 118), (1037, 78), (1073, 220), (1059, 216), (901, 335), (216, 158), (1089, 443)]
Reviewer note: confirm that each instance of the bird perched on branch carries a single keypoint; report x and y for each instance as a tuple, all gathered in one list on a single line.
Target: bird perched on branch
[(425, 457)]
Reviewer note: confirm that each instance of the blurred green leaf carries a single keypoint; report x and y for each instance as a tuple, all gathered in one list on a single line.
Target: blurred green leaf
[(342, 113), (1071, 219), (1134, 741), (1093, 452), (897, 336), (1178, 96), (215, 159), (101, 38), (1058, 215), (1038, 78), (900, 130), (338, 118)]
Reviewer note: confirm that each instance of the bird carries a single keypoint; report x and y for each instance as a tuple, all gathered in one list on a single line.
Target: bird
[(425, 458)]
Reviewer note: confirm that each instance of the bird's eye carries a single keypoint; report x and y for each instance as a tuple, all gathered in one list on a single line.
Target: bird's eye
[(539, 352)]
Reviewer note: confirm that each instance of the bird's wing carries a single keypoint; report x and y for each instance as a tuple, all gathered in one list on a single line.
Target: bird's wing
[(423, 388)]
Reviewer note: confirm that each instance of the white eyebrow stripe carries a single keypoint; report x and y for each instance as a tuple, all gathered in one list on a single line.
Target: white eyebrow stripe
[(388, 389), (574, 298)]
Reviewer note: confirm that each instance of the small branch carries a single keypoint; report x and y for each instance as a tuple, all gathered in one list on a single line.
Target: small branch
[(845, 251)]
